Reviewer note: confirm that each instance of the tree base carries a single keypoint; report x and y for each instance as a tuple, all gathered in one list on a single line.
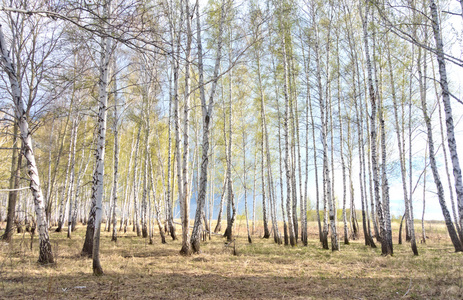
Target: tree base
[(185, 251), (46, 255)]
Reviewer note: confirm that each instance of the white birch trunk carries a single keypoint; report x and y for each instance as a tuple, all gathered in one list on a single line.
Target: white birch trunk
[(80, 175), (156, 204), (144, 227), (185, 198), (288, 168), (45, 252), (452, 144), (280, 167), (71, 183), (125, 207), (385, 249), (245, 187), (135, 184), (97, 190), (341, 152), (306, 62), (116, 152), (64, 198), (206, 110), (440, 189), (358, 104), (264, 200)]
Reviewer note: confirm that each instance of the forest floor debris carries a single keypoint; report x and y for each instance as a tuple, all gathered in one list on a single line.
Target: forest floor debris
[(262, 270)]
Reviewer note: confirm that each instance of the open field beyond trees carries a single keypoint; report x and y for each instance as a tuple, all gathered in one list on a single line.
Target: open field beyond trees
[(261, 270)]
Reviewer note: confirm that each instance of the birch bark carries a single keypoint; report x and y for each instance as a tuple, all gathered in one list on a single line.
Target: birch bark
[(45, 252), (206, 116), (72, 178), (385, 249), (452, 144), (116, 151), (98, 176), (287, 162), (185, 197)]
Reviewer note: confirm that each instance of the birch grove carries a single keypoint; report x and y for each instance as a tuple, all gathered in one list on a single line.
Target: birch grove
[(291, 119)]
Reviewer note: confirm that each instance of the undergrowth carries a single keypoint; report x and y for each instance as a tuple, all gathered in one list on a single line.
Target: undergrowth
[(134, 269)]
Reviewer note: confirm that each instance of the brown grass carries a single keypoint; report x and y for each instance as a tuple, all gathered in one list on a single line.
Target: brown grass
[(262, 270)]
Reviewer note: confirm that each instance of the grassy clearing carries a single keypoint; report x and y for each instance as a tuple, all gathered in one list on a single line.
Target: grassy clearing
[(262, 270)]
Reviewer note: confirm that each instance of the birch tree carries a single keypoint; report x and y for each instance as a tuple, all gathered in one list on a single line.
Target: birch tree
[(45, 251), (452, 144), (16, 160), (72, 180), (385, 246), (116, 150), (97, 189), (185, 195), (206, 109)]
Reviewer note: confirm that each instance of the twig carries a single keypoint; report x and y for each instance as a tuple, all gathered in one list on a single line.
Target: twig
[(409, 287), (13, 190)]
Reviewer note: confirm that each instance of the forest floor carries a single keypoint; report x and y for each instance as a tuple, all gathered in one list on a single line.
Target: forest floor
[(135, 269)]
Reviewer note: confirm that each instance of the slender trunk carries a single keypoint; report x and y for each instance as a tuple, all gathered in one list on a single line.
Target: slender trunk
[(245, 188), (71, 183), (173, 98), (185, 198), (288, 168), (254, 193), (304, 230), (156, 204), (82, 171), (264, 143), (294, 129), (136, 221), (385, 249), (55, 170), (282, 197), (116, 153), (218, 226), (212, 191), (97, 190), (64, 196), (341, 152), (452, 144), (440, 189), (125, 212), (447, 173), (49, 181), (358, 107), (14, 185), (385, 184), (353, 212), (169, 200), (303, 212), (315, 161), (231, 209), (359, 122), (145, 193), (330, 182), (177, 112), (45, 252), (264, 200), (206, 116), (324, 231), (423, 231)]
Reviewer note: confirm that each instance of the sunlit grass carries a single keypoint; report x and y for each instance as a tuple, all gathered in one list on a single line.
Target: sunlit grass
[(134, 269)]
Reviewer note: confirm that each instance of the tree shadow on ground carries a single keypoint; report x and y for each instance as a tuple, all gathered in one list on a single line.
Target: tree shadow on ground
[(160, 284)]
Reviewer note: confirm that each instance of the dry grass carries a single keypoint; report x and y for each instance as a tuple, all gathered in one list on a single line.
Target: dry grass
[(262, 270)]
